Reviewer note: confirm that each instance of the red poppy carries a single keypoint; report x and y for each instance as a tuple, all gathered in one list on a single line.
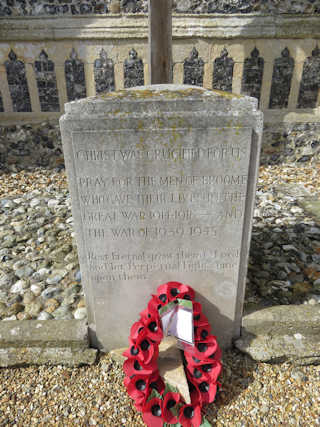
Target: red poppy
[(217, 355), (157, 383), (144, 313), (152, 413), (208, 391), (134, 366), (190, 416), (205, 373), (201, 332), (197, 308), (137, 386), (172, 290), (137, 329), (205, 348), (153, 327), (212, 371), (153, 306), (199, 319), (195, 394), (186, 292), (170, 401), (139, 403), (143, 349), (192, 360)]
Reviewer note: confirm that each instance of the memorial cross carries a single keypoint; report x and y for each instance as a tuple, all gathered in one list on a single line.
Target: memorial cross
[(160, 41)]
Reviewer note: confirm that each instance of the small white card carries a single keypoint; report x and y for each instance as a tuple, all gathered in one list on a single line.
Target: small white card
[(182, 325), (177, 320)]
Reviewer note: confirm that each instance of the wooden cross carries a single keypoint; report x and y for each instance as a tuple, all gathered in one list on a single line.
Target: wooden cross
[(160, 41)]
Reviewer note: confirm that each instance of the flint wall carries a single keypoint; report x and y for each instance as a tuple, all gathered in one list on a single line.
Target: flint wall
[(54, 52)]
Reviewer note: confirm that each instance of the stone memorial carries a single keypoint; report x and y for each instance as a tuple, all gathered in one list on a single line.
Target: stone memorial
[(162, 181)]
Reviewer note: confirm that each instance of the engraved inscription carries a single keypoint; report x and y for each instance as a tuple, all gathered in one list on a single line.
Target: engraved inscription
[(126, 266), (184, 153), (146, 197)]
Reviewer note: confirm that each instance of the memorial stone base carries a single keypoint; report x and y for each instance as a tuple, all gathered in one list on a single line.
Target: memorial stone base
[(162, 181)]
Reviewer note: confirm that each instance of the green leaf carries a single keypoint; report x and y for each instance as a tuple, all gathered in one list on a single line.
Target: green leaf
[(170, 388), (185, 303), (205, 423), (175, 410), (153, 394), (165, 308)]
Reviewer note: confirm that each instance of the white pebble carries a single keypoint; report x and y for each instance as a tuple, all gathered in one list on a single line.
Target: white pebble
[(52, 203), (18, 287), (34, 202), (43, 315), (36, 289), (80, 313), (298, 336), (13, 317), (43, 272)]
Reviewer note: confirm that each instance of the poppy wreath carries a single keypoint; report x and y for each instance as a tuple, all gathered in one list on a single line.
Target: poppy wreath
[(159, 403)]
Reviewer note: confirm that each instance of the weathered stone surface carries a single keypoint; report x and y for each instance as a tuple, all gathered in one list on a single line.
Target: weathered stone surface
[(162, 180), (170, 365), (34, 333), (21, 356), (280, 333)]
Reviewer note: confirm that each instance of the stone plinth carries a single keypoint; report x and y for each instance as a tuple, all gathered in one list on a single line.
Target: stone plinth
[(162, 180)]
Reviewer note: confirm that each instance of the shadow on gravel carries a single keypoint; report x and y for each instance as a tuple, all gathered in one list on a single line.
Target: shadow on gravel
[(284, 264), (237, 375)]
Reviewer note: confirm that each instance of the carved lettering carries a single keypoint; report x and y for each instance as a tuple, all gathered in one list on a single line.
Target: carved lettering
[(150, 207), (161, 181), (219, 152), (118, 266)]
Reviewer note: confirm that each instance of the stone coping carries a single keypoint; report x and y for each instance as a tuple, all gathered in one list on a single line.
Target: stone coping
[(35, 342), (135, 26), (277, 117), (44, 333), (287, 333)]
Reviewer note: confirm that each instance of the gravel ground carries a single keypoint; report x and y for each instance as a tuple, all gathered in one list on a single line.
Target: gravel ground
[(252, 394)]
